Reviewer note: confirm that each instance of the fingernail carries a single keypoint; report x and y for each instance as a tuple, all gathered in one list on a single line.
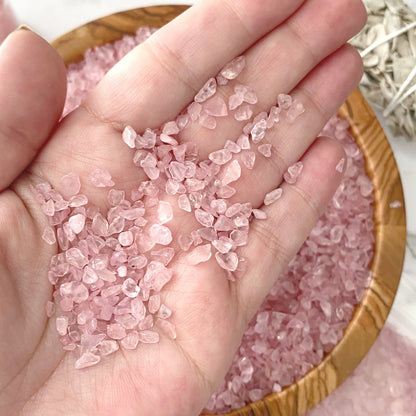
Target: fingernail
[(24, 27)]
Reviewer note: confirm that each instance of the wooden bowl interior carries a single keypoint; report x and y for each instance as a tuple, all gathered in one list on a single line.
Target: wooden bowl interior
[(390, 224)]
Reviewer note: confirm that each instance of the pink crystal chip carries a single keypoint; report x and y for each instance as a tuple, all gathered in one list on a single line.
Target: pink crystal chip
[(273, 196), (101, 178), (293, 172), (207, 91), (233, 69)]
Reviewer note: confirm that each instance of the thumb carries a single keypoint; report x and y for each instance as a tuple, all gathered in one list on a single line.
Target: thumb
[(32, 95)]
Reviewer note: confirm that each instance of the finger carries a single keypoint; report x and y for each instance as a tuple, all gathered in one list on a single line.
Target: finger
[(282, 59), (32, 93), (276, 240), (162, 75), (322, 92)]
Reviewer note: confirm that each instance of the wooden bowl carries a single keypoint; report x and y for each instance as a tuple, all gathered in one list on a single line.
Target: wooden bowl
[(390, 225)]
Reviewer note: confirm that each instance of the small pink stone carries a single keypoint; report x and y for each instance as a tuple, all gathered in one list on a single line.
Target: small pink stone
[(164, 212), (215, 107), (164, 312), (147, 141), (78, 201), (126, 238), (132, 213), (223, 245), (76, 291), (221, 80), (107, 275), (75, 257), (130, 341), (157, 275), (207, 91), (199, 254), (294, 111), (107, 347), (172, 186), (228, 261), (164, 255), (160, 234), (138, 262), (273, 196), (232, 172), (207, 121), (248, 159), (164, 138), (259, 214), (185, 242), (284, 101), (220, 157), (77, 223), (50, 309), (225, 192), (244, 142), (49, 236), (182, 121), (115, 197), (129, 137), (91, 341), (148, 337), (87, 359), (184, 203), (235, 101), (219, 205), (194, 110), (293, 172), (49, 208), (71, 184), (130, 288), (265, 149), (224, 223), (138, 310), (101, 178), (116, 331), (233, 147), (170, 128), (258, 131), (122, 271), (204, 218), (233, 68), (250, 96), (243, 113), (340, 165), (167, 328), (62, 325), (154, 303)]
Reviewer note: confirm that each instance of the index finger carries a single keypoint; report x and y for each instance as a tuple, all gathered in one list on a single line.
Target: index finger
[(162, 75)]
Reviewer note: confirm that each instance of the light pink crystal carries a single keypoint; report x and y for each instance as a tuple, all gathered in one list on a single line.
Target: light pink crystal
[(207, 121), (50, 309), (284, 101), (78, 201), (233, 68), (62, 325), (101, 178), (340, 165), (204, 218), (148, 337), (157, 275), (160, 234), (116, 331), (265, 149), (223, 245), (259, 214), (228, 261), (231, 173), (248, 159), (87, 359), (233, 147), (220, 157), (194, 110), (243, 113), (258, 131), (207, 91), (294, 111), (130, 288), (183, 203), (273, 196), (77, 223), (215, 107), (129, 137), (167, 328), (71, 184), (170, 128), (154, 303), (164, 312), (130, 341), (244, 142), (199, 254), (235, 101), (49, 235), (75, 291), (75, 257), (293, 172), (49, 208)]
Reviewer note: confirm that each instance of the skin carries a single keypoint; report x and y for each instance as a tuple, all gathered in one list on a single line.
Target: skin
[(291, 46)]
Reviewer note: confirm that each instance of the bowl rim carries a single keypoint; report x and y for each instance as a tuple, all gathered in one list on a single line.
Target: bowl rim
[(390, 224)]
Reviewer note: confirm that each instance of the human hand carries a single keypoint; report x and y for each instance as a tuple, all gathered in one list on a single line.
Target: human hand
[(296, 47)]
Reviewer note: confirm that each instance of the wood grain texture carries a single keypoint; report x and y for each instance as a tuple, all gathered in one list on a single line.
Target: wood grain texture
[(390, 225)]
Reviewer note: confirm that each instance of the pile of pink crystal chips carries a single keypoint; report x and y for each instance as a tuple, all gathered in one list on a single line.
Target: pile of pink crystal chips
[(308, 308)]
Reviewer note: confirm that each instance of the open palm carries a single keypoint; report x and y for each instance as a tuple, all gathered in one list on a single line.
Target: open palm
[(290, 46)]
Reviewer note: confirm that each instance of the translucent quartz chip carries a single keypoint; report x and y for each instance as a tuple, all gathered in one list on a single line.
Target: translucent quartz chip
[(172, 186), (75, 258), (91, 341), (243, 113), (130, 341), (50, 309), (233, 68), (182, 121), (250, 96), (49, 235), (258, 131), (194, 110), (284, 101), (204, 218), (148, 337), (223, 245), (138, 262), (233, 147), (107, 347), (116, 331), (248, 159), (129, 137), (101, 178), (244, 142), (167, 328), (183, 203), (259, 214), (164, 138), (221, 80), (147, 141), (265, 149), (231, 173), (62, 325), (293, 172), (294, 111), (78, 201), (340, 165), (246, 368), (219, 205), (193, 185), (75, 291), (106, 275), (170, 128), (157, 275), (71, 184), (216, 107), (224, 224), (199, 254), (185, 242), (154, 303), (177, 170), (164, 212), (207, 121), (160, 234), (235, 101), (77, 223), (164, 312), (220, 157), (164, 255), (207, 91), (126, 238), (130, 288), (273, 196), (228, 261), (49, 208), (87, 359), (225, 191)]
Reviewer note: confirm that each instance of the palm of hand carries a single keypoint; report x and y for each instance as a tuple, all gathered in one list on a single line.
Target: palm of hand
[(209, 312)]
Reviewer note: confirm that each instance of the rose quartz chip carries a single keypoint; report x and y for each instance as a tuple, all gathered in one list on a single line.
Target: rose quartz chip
[(223, 245), (62, 325), (78, 201), (259, 214), (184, 242), (219, 205), (228, 261), (160, 234), (50, 309), (164, 255), (125, 238), (107, 347), (75, 291), (71, 184), (199, 254), (244, 142), (77, 223), (154, 303), (129, 137), (273, 196), (164, 212), (101, 178), (130, 341), (220, 157), (167, 328), (91, 341), (183, 203), (235, 101), (207, 91), (49, 236), (164, 312), (233, 147), (170, 128), (233, 68), (284, 101), (221, 80), (157, 275), (258, 131), (207, 121), (215, 107), (294, 111), (148, 337), (248, 159), (116, 331), (75, 257), (130, 288), (243, 113), (87, 359), (293, 172), (204, 218), (340, 165), (265, 149), (194, 110), (49, 208), (232, 172)]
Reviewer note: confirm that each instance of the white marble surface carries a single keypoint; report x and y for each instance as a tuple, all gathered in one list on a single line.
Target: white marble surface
[(52, 18)]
